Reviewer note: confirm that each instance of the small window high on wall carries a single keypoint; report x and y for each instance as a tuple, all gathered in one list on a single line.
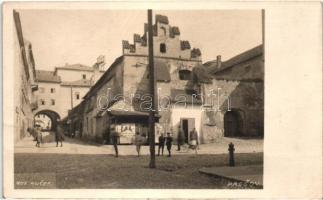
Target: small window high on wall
[(184, 74), (162, 48)]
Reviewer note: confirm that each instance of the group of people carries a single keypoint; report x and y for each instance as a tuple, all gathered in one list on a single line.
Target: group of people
[(193, 141), (36, 133), (140, 139)]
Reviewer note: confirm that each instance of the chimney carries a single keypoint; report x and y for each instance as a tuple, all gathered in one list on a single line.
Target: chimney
[(218, 62)]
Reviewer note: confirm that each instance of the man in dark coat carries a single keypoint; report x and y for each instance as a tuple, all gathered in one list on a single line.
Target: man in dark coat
[(36, 133), (115, 139), (161, 144), (180, 138), (59, 134), (169, 141)]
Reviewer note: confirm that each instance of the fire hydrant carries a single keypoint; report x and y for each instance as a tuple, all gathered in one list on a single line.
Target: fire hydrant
[(231, 154)]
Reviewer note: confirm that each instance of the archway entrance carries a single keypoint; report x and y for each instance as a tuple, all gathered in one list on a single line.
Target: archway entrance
[(46, 119), (232, 124)]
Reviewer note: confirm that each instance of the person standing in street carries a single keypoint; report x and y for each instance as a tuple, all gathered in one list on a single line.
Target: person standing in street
[(180, 138), (59, 135), (36, 133), (115, 138), (169, 141), (139, 140), (193, 139), (161, 144)]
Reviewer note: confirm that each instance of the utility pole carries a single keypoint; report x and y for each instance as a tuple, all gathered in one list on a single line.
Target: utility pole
[(71, 97), (151, 122)]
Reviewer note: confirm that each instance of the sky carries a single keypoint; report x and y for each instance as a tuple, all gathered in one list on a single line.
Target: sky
[(80, 36)]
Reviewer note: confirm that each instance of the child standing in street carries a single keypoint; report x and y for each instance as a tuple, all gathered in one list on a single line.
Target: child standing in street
[(169, 141)]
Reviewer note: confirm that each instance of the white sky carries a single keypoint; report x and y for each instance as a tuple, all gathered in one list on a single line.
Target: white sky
[(80, 36)]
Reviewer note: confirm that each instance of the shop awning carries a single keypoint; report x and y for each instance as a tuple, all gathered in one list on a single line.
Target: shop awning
[(131, 116)]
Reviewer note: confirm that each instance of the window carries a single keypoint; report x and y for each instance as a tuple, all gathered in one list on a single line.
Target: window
[(52, 90), (162, 48), (53, 102), (163, 30), (84, 76), (77, 95), (41, 90), (184, 75), (42, 102)]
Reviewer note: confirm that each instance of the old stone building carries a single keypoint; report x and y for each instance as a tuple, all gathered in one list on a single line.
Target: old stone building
[(63, 89), (186, 91), (126, 83), (238, 84), (25, 85)]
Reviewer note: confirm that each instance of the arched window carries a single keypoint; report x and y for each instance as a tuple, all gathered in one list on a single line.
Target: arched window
[(162, 48)]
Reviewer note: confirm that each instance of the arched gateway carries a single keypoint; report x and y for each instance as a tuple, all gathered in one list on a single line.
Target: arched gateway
[(49, 122)]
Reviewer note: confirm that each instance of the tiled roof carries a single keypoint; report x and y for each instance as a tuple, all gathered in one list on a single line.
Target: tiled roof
[(47, 76), (185, 44), (162, 71), (256, 51), (78, 67), (162, 19), (104, 78), (79, 83)]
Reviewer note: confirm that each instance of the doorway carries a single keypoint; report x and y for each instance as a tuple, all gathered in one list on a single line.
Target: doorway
[(231, 124), (187, 125)]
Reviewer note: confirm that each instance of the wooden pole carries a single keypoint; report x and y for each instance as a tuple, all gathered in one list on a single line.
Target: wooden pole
[(71, 97), (152, 163)]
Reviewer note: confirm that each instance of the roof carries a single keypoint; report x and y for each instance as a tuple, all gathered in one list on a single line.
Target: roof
[(162, 19), (80, 83), (245, 56), (187, 96), (47, 76), (103, 78), (78, 67), (201, 75), (162, 71), (77, 110)]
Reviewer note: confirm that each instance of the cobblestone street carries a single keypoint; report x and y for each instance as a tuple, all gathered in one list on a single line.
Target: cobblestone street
[(75, 146), (82, 165), (104, 171)]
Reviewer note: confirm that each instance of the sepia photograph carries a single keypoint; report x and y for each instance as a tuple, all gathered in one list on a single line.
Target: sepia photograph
[(138, 99)]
